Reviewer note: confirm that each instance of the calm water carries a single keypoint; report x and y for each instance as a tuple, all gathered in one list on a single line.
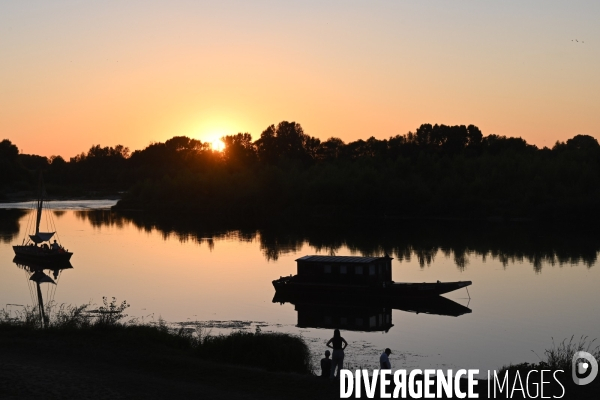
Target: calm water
[(527, 287)]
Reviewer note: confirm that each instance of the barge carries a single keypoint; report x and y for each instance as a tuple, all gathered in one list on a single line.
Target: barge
[(369, 277)]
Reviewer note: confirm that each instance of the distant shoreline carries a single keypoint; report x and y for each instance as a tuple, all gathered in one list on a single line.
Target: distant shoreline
[(334, 219), (23, 199), (62, 204)]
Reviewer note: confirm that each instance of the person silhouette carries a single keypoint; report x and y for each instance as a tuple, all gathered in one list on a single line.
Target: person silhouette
[(338, 344), (326, 365), (384, 361)]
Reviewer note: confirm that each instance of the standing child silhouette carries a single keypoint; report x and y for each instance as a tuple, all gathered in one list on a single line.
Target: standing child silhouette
[(326, 365)]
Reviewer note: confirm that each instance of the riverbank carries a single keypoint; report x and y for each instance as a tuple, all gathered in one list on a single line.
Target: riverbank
[(114, 364), (140, 361), (84, 367)]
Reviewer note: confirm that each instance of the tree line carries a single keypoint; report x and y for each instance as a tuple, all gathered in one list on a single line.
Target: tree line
[(438, 171)]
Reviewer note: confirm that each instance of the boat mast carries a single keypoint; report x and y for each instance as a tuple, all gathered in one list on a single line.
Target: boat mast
[(40, 203), (40, 277), (41, 306)]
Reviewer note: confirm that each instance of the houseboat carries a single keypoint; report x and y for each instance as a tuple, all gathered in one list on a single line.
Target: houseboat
[(366, 276)]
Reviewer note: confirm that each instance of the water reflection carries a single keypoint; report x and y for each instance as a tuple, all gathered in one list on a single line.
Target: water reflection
[(514, 310), (38, 274), (508, 243), (58, 213), (351, 313), (9, 224)]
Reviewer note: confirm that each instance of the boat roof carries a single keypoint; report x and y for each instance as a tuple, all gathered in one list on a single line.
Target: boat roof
[(341, 259)]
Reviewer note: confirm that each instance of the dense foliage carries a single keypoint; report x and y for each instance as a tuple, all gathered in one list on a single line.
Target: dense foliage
[(438, 171)]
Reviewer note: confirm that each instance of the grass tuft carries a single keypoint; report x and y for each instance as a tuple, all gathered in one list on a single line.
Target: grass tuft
[(272, 351), (559, 356)]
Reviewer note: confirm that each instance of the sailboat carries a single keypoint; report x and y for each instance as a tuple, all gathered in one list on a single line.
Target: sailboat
[(37, 246)]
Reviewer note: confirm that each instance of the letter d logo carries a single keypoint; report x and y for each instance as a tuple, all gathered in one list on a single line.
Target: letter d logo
[(581, 368)]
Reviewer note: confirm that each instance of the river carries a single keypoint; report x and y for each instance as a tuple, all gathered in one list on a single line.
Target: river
[(531, 287)]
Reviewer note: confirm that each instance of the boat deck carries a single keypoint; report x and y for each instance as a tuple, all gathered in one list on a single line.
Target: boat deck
[(402, 289)]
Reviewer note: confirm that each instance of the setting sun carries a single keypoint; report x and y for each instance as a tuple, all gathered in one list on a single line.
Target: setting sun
[(217, 145), (211, 130), (213, 139)]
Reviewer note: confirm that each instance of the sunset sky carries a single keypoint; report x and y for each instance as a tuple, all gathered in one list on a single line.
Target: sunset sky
[(78, 73)]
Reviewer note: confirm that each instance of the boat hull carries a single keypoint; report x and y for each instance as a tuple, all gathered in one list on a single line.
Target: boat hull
[(38, 254), (287, 285)]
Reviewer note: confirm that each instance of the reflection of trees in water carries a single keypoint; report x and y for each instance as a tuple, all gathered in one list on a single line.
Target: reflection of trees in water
[(507, 247), (461, 258), (58, 213), (9, 224), (101, 218), (506, 243), (182, 231)]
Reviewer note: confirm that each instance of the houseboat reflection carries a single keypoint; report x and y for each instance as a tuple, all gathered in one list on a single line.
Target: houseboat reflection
[(353, 313)]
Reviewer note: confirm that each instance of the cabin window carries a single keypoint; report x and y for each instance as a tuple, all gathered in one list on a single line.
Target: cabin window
[(358, 321), (358, 270), (371, 270), (343, 321), (328, 269), (372, 322), (342, 269)]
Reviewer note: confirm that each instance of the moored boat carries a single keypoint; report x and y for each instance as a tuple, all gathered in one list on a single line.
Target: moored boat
[(36, 246), (366, 276)]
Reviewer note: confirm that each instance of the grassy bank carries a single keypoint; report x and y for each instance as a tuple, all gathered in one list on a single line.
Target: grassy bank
[(271, 351), (99, 353), (559, 356)]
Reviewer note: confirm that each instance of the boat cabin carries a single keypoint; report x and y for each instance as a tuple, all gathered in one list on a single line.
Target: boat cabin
[(371, 271)]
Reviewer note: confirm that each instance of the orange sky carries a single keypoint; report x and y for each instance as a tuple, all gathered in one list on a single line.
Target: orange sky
[(78, 73)]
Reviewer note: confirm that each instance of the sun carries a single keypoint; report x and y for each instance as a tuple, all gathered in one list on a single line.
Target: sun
[(212, 128), (213, 140), (217, 145)]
